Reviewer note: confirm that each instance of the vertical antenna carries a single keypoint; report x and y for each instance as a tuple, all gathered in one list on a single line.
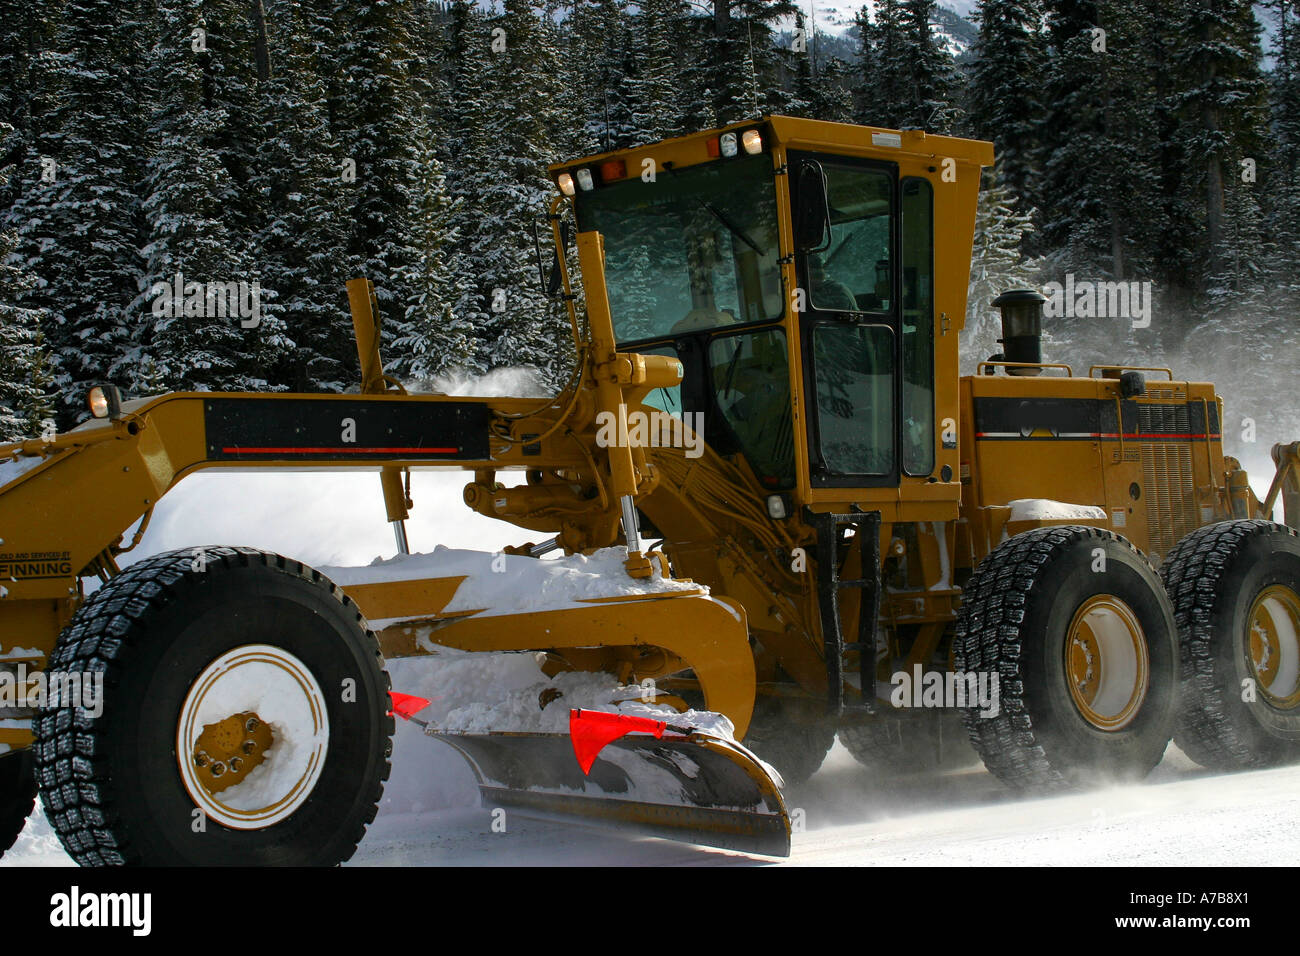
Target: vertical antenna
[(812, 38)]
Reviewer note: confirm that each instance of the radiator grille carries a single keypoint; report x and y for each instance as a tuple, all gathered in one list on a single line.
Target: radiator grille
[(1167, 477)]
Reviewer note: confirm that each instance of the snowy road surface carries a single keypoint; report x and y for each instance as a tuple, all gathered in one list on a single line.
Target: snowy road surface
[(1180, 816)]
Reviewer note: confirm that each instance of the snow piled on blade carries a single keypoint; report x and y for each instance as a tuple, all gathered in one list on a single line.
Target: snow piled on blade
[(478, 693), (511, 584), (1045, 509)]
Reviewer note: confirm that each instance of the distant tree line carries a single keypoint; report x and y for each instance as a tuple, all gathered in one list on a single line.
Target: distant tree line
[(297, 143)]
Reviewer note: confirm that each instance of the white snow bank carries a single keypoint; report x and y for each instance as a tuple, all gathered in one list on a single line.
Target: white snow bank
[(1045, 509), (319, 518), (11, 468), (505, 382), (511, 584)]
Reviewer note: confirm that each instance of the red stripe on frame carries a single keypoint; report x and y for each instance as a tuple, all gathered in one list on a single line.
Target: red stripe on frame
[(1084, 436), (337, 451)]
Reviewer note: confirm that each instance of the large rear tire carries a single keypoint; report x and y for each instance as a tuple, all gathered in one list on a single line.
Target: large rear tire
[(244, 717), (1235, 588), (17, 795), (1078, 629)]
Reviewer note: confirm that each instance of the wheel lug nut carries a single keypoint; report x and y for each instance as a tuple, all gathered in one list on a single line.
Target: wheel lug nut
[(251, 724), (249, 746), (235, 764), (218, 769), (200, 760)]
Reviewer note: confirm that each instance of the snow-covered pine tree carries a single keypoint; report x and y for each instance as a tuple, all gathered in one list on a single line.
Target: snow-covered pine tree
[(998, 265), (928, 69), (866, 82), (25, 29), (1222, 100), (740, 65), (377, 121), (1005, 86), (600, 64), (302, 191), (658, 87), (200, 321), (1281, 183), (885, 96), (76, 213), (510, 191), (433, 337), (25, 400)]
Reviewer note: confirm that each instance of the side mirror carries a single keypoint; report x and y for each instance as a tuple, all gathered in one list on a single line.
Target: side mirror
[(812, 221), (552, 282)]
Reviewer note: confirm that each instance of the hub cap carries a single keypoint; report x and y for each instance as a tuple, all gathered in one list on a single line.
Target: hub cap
[(252, 737), (1106, 662), (1274, 645)]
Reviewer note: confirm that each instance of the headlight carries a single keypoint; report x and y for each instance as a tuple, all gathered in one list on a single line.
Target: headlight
[(565, 182), (585, 182), (752, 140), (727, 142), (105, 401)]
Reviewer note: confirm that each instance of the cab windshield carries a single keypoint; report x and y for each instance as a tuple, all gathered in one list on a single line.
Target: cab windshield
[(694, 250)]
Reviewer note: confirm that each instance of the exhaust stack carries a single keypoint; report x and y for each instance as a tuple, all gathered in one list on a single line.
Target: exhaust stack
[(1022, 328)]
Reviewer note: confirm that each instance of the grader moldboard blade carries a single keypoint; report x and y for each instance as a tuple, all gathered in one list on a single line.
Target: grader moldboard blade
[(682, 784)]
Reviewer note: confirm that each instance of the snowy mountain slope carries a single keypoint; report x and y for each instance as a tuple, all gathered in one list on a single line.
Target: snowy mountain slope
[(951, 24)]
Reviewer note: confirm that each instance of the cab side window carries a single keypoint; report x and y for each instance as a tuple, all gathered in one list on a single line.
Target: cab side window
[(852, 274)]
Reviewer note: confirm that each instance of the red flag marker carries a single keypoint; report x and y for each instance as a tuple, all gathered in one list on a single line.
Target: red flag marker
[(406, 706), (591, 730)]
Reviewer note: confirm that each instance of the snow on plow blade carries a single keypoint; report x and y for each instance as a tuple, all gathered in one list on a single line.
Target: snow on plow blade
[(697, 788)]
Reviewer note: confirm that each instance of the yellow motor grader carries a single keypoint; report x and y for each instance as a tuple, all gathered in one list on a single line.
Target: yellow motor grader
[(823, 528)]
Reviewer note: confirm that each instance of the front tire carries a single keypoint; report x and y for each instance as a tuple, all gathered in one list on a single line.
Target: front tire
[(1076, 626), (17, 795), (244, 717), (1235, 587)]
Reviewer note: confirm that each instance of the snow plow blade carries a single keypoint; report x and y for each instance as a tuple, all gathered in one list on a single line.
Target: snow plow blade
[(696, 789)]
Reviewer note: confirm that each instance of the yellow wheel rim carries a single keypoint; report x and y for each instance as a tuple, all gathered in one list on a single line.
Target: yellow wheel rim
[(1107, 665), (252, 737), (1273, 645)]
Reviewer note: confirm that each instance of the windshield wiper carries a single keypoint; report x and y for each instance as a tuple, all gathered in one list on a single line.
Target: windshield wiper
[(717, 214), (735, 230)]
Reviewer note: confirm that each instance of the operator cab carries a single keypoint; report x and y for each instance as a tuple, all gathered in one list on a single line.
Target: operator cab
[(697, 266)]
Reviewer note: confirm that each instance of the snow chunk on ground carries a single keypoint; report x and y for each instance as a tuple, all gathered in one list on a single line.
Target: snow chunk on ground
[(511, 584), (1045, 509)]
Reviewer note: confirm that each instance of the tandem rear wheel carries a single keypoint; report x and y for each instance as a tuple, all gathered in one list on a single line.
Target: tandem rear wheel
[(1235, 587), (1077, 627), (245, 717)]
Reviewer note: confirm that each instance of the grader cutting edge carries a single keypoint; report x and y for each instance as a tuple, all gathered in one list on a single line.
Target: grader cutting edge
[(849, 537)]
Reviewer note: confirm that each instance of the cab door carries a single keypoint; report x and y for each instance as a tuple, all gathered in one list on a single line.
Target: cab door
[(850, 319)]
